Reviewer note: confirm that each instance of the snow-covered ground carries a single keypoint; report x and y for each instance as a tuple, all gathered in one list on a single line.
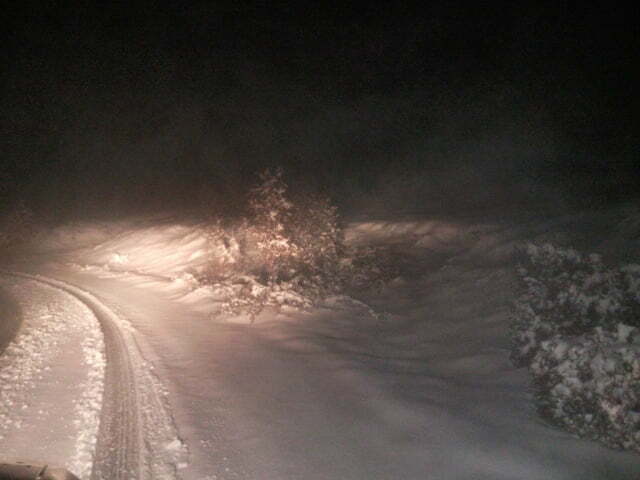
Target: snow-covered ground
[(11, 319), (51, 380), (421, 389)]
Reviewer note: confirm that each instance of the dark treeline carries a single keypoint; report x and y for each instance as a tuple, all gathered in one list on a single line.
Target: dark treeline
[(119, 112)]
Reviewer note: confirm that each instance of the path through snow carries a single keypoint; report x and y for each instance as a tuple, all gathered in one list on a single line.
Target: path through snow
[(51, 380)]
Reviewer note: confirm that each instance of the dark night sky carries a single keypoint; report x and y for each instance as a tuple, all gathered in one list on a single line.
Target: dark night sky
[(441, 108)]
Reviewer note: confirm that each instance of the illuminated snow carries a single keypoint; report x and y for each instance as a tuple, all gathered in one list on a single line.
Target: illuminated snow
[(51, 380), (412, 382)]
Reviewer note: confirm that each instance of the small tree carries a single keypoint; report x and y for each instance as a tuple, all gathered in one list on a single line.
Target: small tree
[(298, 237), (287, 250), (317, 233), (271, 221)]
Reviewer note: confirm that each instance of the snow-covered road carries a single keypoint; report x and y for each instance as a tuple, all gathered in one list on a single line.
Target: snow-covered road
[(99, 409), (51, 379), (425, 392)]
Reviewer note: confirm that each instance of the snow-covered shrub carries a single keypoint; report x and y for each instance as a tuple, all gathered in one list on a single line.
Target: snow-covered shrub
[(296, 239), (286, 251), (318, 236), (576, 324), (590, 384), (249, 297), (225, 255), (271, 214), (564, 292)]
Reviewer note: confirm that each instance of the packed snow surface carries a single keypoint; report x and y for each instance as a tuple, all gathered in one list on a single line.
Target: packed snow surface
[(410, 382), (51, 380)]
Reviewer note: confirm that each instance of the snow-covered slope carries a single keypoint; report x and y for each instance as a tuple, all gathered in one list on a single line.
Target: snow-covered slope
[(419, 387)]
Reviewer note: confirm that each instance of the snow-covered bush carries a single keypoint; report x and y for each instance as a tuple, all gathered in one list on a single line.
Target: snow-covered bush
[(246, 295), (576, 324), (225, 255), (318, 237), (590, 384), (564, 292), (286, 250), (292, 239), (271, 214)]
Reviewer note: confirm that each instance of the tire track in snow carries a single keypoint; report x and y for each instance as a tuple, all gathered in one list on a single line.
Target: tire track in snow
[(137, 438), (60, 337)]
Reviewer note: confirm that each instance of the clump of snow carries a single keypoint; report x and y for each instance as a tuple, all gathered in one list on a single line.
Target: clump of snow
[(243, 298), (590, 385), (118, 259), (174, 445)]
